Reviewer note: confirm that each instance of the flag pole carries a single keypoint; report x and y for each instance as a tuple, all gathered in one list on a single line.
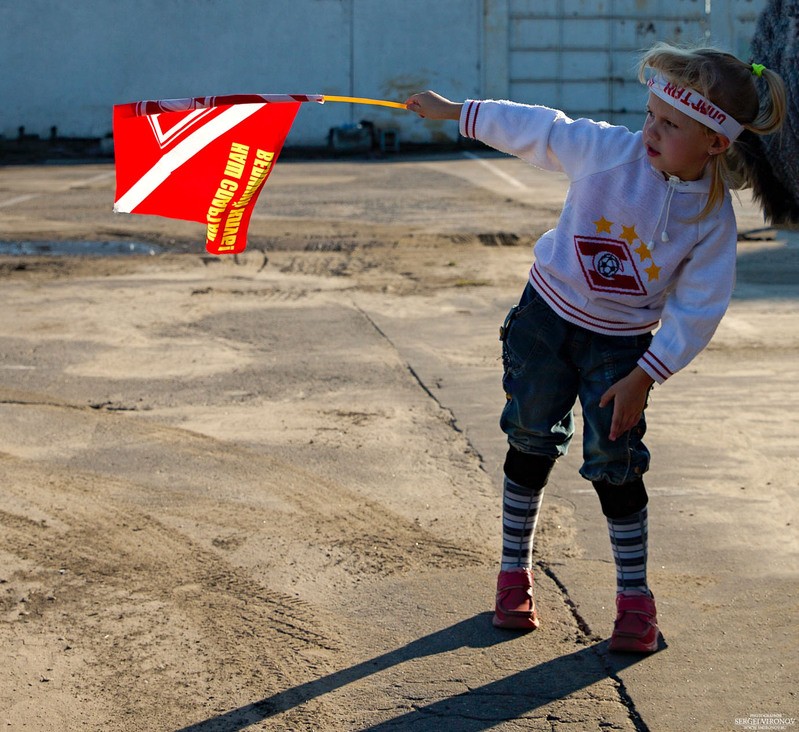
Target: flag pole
[(363, 100), (186, 105)]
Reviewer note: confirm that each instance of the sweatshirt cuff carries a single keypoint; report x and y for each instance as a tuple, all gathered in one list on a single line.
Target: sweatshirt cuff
[(468, 121), (654, 367)]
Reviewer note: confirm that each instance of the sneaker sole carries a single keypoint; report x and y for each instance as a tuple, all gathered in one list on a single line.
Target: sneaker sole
[(632, 645), (516, 623)]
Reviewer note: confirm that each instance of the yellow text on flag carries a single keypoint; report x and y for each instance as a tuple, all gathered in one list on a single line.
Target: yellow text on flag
[(225, 214), (261, 167)]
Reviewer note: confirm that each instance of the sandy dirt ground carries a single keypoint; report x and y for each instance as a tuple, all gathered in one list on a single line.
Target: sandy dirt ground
[(263, 492)]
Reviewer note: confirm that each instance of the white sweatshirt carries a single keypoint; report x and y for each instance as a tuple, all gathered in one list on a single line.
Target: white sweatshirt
[(624, 256)]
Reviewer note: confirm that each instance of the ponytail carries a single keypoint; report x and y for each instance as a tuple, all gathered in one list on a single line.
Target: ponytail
[(773, 104), (759, 155)]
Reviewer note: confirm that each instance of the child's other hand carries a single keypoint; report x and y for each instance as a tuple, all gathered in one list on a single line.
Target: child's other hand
[(629, 399), (433, 106)]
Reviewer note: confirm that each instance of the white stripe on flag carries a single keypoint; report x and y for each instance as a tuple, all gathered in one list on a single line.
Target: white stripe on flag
[(182, 152)]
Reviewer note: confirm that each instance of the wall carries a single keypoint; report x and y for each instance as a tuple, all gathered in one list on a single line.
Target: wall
[(581, 55), (67, 63), (732, 24)]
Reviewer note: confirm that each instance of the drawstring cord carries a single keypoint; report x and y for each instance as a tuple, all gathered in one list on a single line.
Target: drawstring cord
[(674, 181)]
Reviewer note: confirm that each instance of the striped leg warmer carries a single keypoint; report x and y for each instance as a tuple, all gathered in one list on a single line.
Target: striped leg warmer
[(520, 508), (628, 541)]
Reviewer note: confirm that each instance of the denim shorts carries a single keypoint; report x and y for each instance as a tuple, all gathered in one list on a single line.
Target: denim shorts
[(549, 364)]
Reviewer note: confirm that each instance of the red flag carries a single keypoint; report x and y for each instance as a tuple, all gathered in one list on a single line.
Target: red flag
[(203, 159)]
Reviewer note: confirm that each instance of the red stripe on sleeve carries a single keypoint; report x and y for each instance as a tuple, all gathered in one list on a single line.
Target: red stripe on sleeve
[(473, 133), (469, 106), (656, 365)]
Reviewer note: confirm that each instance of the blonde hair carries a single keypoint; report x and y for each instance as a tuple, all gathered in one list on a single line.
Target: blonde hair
[(731, 85)]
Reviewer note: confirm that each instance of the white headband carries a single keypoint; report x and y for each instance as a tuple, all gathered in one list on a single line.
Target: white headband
[(691, 102)]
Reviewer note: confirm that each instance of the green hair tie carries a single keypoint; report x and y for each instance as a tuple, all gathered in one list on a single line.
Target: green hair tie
[(758, 69)]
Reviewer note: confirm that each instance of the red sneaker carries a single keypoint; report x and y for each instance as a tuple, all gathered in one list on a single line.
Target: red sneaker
[(515, 608), (636, 627)]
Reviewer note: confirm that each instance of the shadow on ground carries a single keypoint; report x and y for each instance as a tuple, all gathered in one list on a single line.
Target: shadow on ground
[(478, 709)]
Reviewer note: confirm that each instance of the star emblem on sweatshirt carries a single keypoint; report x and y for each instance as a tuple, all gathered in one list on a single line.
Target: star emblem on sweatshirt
[(630, 235), (603, 226)]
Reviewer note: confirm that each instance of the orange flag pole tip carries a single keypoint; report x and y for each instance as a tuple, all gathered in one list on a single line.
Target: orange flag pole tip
[(363, 100)]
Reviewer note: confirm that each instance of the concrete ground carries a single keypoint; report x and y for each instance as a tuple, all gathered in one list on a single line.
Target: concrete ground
[(264, 493)]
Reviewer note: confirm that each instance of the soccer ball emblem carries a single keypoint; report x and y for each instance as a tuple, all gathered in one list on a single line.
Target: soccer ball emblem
[(608, 265)]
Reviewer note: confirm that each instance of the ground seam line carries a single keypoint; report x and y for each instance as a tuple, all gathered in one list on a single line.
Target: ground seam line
[(453, 422), (621, 688)]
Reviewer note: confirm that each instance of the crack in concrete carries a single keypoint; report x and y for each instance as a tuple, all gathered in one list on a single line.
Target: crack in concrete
[(625, 697), (588, 634), (451, 420)]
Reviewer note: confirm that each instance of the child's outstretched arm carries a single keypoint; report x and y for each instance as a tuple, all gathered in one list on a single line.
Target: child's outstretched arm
[(433, 106)]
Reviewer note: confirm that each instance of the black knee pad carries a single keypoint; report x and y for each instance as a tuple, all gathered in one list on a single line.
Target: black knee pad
[(619, 501), (526, 469)]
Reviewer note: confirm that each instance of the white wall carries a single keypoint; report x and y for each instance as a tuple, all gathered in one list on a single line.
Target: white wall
[(732, 24), (581, 55), (67, 63)]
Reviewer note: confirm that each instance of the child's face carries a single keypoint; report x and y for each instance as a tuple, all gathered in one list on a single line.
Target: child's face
[(675, 143)]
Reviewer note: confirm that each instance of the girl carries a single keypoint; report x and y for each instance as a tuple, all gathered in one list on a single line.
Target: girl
[(646, 238)]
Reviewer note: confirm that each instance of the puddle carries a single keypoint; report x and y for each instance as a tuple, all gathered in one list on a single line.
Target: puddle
[(77, 248)]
